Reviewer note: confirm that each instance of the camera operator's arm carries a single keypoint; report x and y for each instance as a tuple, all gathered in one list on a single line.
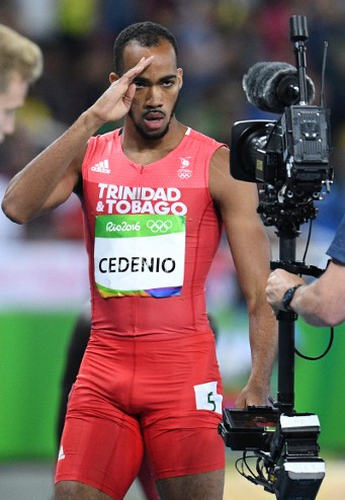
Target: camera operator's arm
[(49, 179), (237, 202), (322, 303)]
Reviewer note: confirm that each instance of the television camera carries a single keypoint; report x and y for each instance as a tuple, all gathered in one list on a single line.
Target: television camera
[(289, 159)]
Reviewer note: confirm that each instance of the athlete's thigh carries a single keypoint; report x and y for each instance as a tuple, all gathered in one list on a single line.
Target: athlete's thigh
[(101, 446), (205, 486), (184, 445), (181, 434)]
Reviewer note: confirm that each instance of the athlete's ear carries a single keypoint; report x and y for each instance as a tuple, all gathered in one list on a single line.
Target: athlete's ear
[(179, 77), (113, 77)]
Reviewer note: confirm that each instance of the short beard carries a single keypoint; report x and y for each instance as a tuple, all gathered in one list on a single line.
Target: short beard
[(151, 136), (154, 135)]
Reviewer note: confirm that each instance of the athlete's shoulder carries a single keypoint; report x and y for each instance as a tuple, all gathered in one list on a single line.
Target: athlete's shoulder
[(204, 139), (112, 135), (100, 144)]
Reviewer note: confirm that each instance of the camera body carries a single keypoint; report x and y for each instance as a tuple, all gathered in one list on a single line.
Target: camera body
[(290, 157), (293, 150)]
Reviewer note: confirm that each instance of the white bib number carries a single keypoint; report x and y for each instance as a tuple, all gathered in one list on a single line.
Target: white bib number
[(206, 397)]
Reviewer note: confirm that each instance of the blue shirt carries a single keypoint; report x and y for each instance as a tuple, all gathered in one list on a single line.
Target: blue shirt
[(337, 248)]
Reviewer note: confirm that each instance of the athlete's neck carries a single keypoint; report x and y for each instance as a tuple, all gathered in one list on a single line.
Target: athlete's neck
[(146, 150)]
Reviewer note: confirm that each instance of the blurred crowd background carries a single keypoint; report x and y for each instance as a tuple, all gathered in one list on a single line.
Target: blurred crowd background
[(43, 265), (219, 40)]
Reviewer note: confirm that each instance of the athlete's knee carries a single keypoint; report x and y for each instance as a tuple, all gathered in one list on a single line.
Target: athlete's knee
[(67, 490), (72, 490), (202, 486)]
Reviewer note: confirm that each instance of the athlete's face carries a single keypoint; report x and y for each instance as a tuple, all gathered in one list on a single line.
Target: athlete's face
[(10, 100), (157, 88)]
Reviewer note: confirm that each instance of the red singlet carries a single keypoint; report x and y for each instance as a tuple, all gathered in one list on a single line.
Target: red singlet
[(150, 375), (175, 186)]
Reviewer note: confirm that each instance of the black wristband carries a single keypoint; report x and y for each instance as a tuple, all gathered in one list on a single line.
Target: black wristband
[(288, 296)]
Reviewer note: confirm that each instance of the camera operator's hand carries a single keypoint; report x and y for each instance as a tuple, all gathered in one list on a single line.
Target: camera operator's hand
[(278, 283)]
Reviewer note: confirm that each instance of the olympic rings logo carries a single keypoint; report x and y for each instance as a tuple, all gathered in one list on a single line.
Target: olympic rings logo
[(159, 226), (184, 174)]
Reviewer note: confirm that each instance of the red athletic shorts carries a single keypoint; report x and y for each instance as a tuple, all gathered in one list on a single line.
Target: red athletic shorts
[(131, 393)]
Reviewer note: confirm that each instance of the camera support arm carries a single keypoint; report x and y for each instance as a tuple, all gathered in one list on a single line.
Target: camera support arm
[(296, 267), (286, 339), (286, 319)]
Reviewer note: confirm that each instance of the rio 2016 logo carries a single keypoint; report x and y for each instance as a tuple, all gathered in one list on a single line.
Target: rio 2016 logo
[(123, 226)]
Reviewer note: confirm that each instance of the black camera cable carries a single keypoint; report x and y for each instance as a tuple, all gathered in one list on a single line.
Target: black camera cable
[(331, 338)]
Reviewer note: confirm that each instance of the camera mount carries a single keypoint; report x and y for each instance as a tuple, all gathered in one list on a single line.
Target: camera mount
[(289, 158)]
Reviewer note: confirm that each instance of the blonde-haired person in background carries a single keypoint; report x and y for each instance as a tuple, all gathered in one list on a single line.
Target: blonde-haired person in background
[(21, 63)]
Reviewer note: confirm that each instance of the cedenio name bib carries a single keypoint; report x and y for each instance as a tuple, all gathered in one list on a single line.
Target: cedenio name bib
[(139, 255)]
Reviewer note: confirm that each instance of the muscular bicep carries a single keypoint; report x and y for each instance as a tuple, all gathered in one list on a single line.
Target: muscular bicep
[(49, 178), (237, 202), (63, 190), (66, 185)]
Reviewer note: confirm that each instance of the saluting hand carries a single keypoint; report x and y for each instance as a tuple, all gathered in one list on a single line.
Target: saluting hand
[(116, 101)]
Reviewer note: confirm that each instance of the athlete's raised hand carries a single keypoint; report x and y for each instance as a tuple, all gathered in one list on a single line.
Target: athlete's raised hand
[(117, 99)]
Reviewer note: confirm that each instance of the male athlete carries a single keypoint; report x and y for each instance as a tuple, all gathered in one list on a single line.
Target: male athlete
[(20, 65), (155, 194)]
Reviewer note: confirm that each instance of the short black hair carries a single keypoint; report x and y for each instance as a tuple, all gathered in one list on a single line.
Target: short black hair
[(147, 34)]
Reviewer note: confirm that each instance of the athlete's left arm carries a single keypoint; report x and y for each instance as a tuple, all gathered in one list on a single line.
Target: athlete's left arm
[(237, 203)]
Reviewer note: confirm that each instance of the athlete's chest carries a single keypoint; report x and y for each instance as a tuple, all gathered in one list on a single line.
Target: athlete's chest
[(172, 185), (144, 220), (181, 168)]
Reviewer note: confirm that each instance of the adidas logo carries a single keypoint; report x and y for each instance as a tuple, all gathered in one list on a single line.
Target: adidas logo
[(61, 454), (102, 167)]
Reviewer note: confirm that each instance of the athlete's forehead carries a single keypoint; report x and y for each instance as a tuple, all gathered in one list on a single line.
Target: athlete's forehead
[(163, 64)]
